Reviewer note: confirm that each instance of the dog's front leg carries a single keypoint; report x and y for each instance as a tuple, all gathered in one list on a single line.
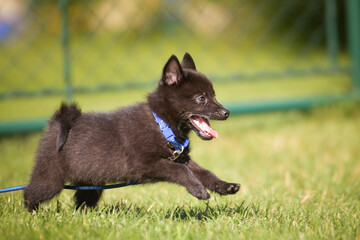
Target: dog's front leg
[(211, 181), (165, 170)]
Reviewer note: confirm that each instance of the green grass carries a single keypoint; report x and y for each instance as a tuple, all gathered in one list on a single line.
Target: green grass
[(299, 173)]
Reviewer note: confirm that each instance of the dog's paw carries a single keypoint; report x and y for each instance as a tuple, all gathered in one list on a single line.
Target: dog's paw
[(204, 196), (233, 188), (225, 188), (199, 193)]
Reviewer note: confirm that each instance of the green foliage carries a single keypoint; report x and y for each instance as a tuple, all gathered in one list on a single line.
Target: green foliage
[(299, 173)]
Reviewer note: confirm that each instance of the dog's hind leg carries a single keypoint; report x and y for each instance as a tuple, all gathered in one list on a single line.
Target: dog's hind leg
[(43, 186), (47, 178), (87, 198)]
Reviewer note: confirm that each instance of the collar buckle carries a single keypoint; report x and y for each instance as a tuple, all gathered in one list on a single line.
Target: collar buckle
[(176, 154)]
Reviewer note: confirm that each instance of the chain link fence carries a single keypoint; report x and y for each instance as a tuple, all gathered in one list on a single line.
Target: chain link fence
[(65, 48)]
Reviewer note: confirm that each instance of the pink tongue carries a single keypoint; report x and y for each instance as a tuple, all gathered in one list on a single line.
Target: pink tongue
[(204, 126)]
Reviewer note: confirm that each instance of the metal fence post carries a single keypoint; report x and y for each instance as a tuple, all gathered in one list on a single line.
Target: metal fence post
[(353, 31), (65, 43), (332, 32)]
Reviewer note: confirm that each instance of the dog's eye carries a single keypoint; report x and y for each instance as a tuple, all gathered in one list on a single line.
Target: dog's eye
[(201, 99)]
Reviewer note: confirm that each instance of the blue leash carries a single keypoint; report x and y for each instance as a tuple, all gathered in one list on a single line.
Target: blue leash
[(10, 189)]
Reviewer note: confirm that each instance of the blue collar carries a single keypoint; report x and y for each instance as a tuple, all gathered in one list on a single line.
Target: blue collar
[(171, 138)]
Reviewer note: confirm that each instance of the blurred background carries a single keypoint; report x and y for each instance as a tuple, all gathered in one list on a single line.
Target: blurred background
[(261, 55)]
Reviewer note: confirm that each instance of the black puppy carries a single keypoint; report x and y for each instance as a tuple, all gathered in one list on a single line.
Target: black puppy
[(147, 142)]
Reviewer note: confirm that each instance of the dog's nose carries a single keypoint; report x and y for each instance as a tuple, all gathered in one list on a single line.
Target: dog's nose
[(225, 113)]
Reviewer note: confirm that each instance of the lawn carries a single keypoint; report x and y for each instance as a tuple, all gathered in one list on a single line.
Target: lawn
[(299, 173)]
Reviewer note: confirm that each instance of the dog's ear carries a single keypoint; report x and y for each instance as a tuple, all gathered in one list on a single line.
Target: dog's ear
[(172, 73), (188, 62)]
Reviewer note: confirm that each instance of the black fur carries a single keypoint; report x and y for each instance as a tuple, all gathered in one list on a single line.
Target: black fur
[(66, 116), (126, 145)]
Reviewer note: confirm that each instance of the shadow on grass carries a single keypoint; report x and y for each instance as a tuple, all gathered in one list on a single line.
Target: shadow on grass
[(208, 212), (184, 213)]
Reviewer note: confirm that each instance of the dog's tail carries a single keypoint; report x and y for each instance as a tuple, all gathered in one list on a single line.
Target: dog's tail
[(66, 116)]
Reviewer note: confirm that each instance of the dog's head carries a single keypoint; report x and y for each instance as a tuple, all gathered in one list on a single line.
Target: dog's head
[(190, 97)]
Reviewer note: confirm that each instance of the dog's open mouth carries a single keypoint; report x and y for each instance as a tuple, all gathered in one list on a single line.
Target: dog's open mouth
[(203, 127)]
